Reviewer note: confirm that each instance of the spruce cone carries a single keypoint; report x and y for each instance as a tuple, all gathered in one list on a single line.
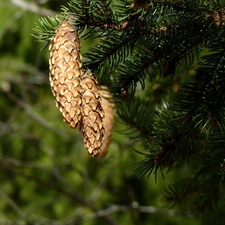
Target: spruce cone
[(65, 72), (76, 91), (92, 115), (108, 121)]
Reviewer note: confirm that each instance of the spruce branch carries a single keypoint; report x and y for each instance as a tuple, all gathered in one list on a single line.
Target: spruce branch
[(212, 167), (180, 190), (197, 92), (148, 165), (46, 29), (138, 115), (170, 144), (198, 195)]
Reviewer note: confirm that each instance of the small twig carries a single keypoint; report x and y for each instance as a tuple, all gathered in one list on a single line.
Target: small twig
[(70, 193), (20, 163), (168, 212), (11, 203), (10, 22), (117, 27), (10, 222), (31, 7), (39, 118), (74, 195), (106, 10), (125, 208), (6, 128), (43, 121)]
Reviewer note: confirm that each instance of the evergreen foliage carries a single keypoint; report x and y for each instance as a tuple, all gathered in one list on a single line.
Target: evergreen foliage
[(136, 45)]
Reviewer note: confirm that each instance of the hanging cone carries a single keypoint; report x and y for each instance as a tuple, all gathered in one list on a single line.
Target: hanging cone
[(65, 72), (108, 121), (91, 127)]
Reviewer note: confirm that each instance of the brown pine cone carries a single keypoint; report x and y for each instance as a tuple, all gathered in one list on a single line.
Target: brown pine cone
[(91, 127), (65, 72), (108, 121)]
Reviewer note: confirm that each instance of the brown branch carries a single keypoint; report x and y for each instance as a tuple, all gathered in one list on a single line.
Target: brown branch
[(105, 9), (85, 12)]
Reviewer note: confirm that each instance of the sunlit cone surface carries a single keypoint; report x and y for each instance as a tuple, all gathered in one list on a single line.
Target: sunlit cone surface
[(76, 90), (108, 121), (65, 72), (92, 127)]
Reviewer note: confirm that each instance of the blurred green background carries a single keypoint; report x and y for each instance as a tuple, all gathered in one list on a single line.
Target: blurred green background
[(46, 174)]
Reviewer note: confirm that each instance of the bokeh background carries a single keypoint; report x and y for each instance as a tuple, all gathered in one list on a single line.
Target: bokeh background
[(46, 174)]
